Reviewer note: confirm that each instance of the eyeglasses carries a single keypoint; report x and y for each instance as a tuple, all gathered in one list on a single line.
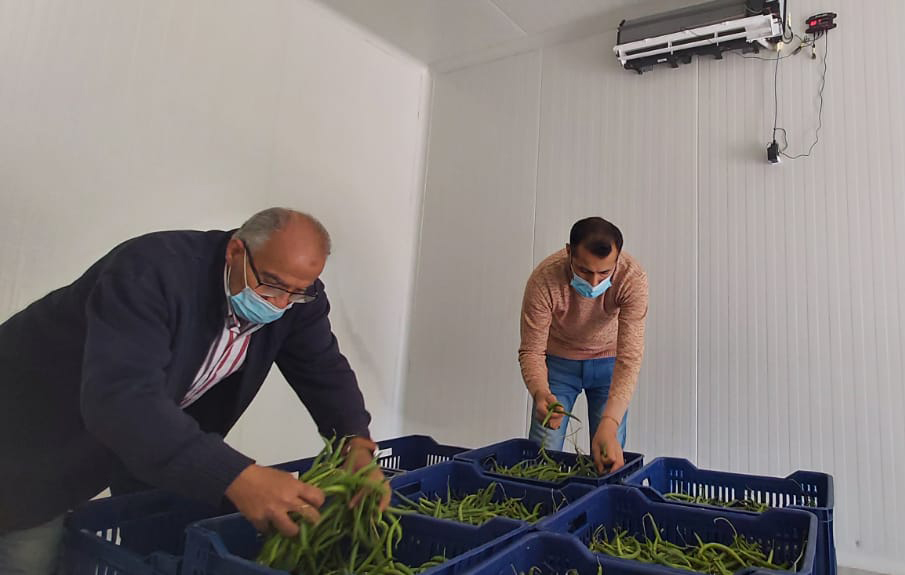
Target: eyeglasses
[(269, 290)]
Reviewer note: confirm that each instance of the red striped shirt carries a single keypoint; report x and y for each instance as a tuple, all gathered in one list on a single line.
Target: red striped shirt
[(225, 356)]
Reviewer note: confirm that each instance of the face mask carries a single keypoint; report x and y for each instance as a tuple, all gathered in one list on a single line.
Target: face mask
[(253, 308), (584, 287)]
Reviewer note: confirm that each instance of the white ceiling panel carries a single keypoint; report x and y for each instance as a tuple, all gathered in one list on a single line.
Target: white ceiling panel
[(541, 15), (432, 30), (450, 34)]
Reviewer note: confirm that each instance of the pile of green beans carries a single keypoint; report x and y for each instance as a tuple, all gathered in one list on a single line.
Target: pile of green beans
[(358, 540), (709, 558), (544, 467), (741, 504), (476, 508)]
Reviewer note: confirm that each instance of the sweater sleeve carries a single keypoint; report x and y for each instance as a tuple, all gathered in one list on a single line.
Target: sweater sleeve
[(537, 315), (124, 402), (630, 339), (320, 375)]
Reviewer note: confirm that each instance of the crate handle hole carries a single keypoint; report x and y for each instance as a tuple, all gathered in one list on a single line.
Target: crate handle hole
[(578, 523)]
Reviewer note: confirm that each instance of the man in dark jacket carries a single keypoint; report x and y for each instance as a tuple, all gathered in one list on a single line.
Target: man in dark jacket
[(141, 366)]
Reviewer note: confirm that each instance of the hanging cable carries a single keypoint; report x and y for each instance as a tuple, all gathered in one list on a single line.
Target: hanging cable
[(819, 111)]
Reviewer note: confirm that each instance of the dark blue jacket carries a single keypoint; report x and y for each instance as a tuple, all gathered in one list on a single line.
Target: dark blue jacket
[(92, 375)]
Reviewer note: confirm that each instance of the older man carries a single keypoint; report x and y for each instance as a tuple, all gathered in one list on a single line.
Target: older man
[(142, 365)]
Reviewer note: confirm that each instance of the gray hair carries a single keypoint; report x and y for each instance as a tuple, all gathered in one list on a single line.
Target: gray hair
[(258, 228)]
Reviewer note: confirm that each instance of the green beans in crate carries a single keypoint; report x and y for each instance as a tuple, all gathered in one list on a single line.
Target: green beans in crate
[(510, 459), (229, 545), (458, 491), (626, 526), (679, 481), (543, 553)]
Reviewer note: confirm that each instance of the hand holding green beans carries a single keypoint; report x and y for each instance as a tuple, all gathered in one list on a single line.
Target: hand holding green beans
[(548, 409), (605, 447), (360, 454), (267, 497), (358, 539)]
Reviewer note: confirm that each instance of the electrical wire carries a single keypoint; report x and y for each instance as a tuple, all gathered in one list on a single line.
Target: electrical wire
[(775, 95), (761, 57), (819, 112)]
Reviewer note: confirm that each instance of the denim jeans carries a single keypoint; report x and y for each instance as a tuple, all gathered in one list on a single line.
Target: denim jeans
[(32, 551), (567, 378)]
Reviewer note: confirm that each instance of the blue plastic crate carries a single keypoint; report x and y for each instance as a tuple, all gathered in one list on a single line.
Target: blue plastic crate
[(413, 452), (228, 545), (139, 533), (300, 466), (553, 554), (791, 533), (807, 490), (514, 451), (460, 478)]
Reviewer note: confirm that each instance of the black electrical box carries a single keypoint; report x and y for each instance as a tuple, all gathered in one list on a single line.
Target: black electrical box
[(819, 23)]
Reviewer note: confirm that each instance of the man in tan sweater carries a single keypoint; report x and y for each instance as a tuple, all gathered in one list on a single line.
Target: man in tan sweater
[(583, 329)]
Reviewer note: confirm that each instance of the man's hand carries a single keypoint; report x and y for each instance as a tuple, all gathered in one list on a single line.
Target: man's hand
[(605, 448), (267, 496), (543, 399), (360, 455)]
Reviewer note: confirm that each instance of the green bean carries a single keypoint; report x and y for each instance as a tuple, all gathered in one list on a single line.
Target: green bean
[(711, 557), (557, 408), (545, 468), (363, 530), (479, 507), (743, 504)]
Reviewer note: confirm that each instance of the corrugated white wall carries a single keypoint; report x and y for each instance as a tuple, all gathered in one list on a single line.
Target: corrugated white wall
[(604, 151), (801, 271), (463, 383), (119, 117), (774, 337)]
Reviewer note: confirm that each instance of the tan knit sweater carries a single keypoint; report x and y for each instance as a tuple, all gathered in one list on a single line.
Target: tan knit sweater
[(556, 320)]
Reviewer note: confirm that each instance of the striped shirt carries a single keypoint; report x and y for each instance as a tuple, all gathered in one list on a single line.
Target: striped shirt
[(226, 354)]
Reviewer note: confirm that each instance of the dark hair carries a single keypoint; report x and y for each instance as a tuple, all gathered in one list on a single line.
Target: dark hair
[(597, 235)]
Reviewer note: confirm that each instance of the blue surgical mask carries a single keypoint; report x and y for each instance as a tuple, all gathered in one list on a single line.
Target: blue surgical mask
[(252, 307), (584, 287)]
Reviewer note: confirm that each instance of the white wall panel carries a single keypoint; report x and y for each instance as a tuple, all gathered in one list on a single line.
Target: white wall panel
[(604, 152), (348, 146), (463, 382), (122, 117), (802, 272), (775, 335)]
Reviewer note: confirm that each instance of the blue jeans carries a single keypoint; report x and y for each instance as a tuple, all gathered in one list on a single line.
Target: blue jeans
[(32, 551), (567, 378)]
